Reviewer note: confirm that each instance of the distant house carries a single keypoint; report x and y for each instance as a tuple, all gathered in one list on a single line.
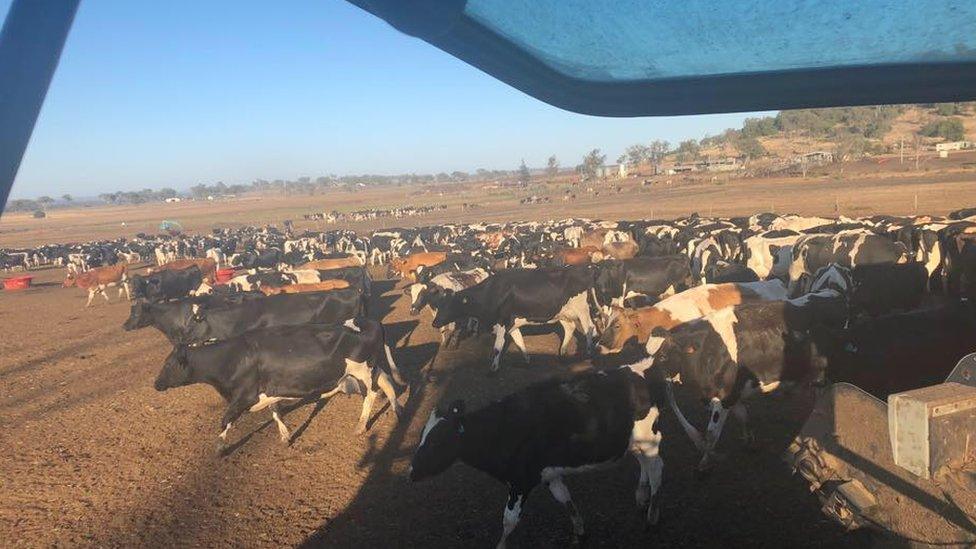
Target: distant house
[(612, 171), (815, 157), (724, 164), (954, 146), (173, 200)]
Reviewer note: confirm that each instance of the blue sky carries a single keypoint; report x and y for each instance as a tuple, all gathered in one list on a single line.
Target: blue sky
[(152, 94)]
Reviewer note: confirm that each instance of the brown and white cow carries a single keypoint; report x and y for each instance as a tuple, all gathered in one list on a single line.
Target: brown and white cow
[(406, 267), (98, 279), (692, 304), (323, 286), (207, 266)]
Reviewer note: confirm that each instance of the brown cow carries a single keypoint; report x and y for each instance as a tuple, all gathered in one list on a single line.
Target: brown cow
[(407, 266), (208, 267), (332, 263), (593, 237), (324, 286), (98, 279), (620, 250), (577, 256)]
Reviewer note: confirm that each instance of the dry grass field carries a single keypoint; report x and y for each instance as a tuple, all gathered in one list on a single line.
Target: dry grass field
[(93, 456)]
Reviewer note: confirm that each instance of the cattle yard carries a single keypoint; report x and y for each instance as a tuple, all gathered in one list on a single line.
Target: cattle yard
[(94, 455)]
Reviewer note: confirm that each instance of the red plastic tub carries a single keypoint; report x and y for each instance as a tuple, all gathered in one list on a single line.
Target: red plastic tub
[(224, 275), (17, 283)]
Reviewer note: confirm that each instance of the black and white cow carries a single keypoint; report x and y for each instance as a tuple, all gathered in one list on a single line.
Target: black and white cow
[(511, 299), (847, 250), (430, 294), (198, 320), (737, 352), (263, 367), (552, 429), (655, 277)]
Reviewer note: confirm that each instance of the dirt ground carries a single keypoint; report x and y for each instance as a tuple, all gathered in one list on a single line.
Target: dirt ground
[(94, 456)]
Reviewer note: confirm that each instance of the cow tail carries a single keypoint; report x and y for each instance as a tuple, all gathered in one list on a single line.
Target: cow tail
[(394, 371)]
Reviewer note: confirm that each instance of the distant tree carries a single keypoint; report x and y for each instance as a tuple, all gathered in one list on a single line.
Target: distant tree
[(167, 192), (524, 175), (552, 166), (45, 201), (592, 162), (636, 154), (459, 175), (950, 129), (759, 127), (22, 205), (688, 150), (750, 146), (67, 198)]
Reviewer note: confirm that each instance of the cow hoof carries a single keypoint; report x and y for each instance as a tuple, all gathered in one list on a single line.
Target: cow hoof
[(360, 429), (221, 448), (653, 516)]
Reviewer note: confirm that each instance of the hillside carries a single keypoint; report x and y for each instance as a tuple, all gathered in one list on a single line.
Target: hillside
[(850, 131)]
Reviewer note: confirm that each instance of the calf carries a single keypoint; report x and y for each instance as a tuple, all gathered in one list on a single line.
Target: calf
[(431, 293), (552, 429), (97, 280), (511, 299), (323, 286), (263, 367), (735, 353), (635, 326)]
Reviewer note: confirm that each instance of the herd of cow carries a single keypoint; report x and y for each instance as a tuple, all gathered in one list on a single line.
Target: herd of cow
[(695, 309)]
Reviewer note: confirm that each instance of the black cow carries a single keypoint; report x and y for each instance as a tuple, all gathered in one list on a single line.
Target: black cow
[(263, 367), (880, 289), (166, 285), (514, 298), (552, 429), (640, 276), (722, 272), (197, 321), (741, 351), (897, 352), (847, 250)]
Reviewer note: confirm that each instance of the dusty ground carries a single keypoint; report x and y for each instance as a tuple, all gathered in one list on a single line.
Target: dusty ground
[(92, 455)]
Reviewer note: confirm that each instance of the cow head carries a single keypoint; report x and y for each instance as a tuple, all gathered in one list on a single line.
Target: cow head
[(621, 330), (440, 442), (140, 316), (452, 306), (176, 370)]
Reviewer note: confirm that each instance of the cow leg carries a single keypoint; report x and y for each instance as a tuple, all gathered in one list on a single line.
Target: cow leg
[(645, 442), (498, 347), (560, 492), (233, 412), (586, 326), (104, 291), (510, 517), (742, 415), (516, 335), (282, 428), (569, 328), (367, 409), (386, 386), (91, 294), (716, 420)]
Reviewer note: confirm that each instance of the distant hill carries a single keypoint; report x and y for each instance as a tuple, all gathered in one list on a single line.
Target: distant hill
[(848, 132)]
